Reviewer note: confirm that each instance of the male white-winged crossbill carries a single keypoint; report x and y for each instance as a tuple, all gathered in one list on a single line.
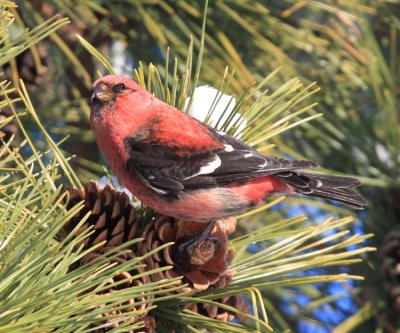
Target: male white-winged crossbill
[(185, 169)]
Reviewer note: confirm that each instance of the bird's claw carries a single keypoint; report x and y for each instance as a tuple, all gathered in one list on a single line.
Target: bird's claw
[(187, 244)]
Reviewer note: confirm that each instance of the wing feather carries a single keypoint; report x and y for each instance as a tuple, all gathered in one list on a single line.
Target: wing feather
[(168, 171)]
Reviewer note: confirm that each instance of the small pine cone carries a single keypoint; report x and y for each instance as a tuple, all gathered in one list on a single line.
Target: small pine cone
[(168, 326), (67, 32), (32, 73), (149, 325), (390, 265), (236, 302), (129, 313), (203, 268), (7, 132), (215, 312), (112, 216)]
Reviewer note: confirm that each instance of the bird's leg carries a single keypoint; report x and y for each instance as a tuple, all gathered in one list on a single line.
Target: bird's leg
[(195, 240), (185, 246)]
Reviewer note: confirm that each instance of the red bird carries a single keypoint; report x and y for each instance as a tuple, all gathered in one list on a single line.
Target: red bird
[(183, 168)]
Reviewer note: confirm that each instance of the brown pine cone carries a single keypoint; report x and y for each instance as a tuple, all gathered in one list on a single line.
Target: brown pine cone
[(132, 314), (81, 24), (114, 220), (32, 73), (390, 265), (149, 325), (67, 32), (7, 131), (112, 216), (216, 312), (203, 268)]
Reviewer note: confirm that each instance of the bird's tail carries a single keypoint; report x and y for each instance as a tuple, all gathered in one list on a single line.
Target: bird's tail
[(336, 188)]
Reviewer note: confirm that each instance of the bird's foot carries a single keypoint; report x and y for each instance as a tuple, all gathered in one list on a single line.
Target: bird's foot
[(184, 247)]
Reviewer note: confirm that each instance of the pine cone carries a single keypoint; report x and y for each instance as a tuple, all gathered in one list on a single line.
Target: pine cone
[(216, 312), (130, 313), (207, 262), (67, 32), (149, 325), (390, 266), (113, 216), (7, 131), (77, 26), (148, 322), (114, 220), (33, 74)]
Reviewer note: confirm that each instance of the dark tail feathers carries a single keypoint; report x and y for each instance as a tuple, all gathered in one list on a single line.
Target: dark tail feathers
[(329, 187)]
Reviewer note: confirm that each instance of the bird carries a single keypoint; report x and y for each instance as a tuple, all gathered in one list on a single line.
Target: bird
[(183, 168)]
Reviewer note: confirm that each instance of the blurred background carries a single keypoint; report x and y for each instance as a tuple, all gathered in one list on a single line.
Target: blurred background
[(350, 49)]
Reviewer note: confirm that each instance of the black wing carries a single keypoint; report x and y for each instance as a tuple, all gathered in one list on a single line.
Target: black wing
[(169, 172)]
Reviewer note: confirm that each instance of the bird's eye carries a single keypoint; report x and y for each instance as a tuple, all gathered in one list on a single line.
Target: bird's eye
[(118, 88)]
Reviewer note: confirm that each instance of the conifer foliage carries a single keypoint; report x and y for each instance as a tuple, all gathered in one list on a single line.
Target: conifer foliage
[(77, 256)]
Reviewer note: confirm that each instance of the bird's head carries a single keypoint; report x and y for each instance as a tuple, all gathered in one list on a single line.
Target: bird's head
[(113, 90)]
